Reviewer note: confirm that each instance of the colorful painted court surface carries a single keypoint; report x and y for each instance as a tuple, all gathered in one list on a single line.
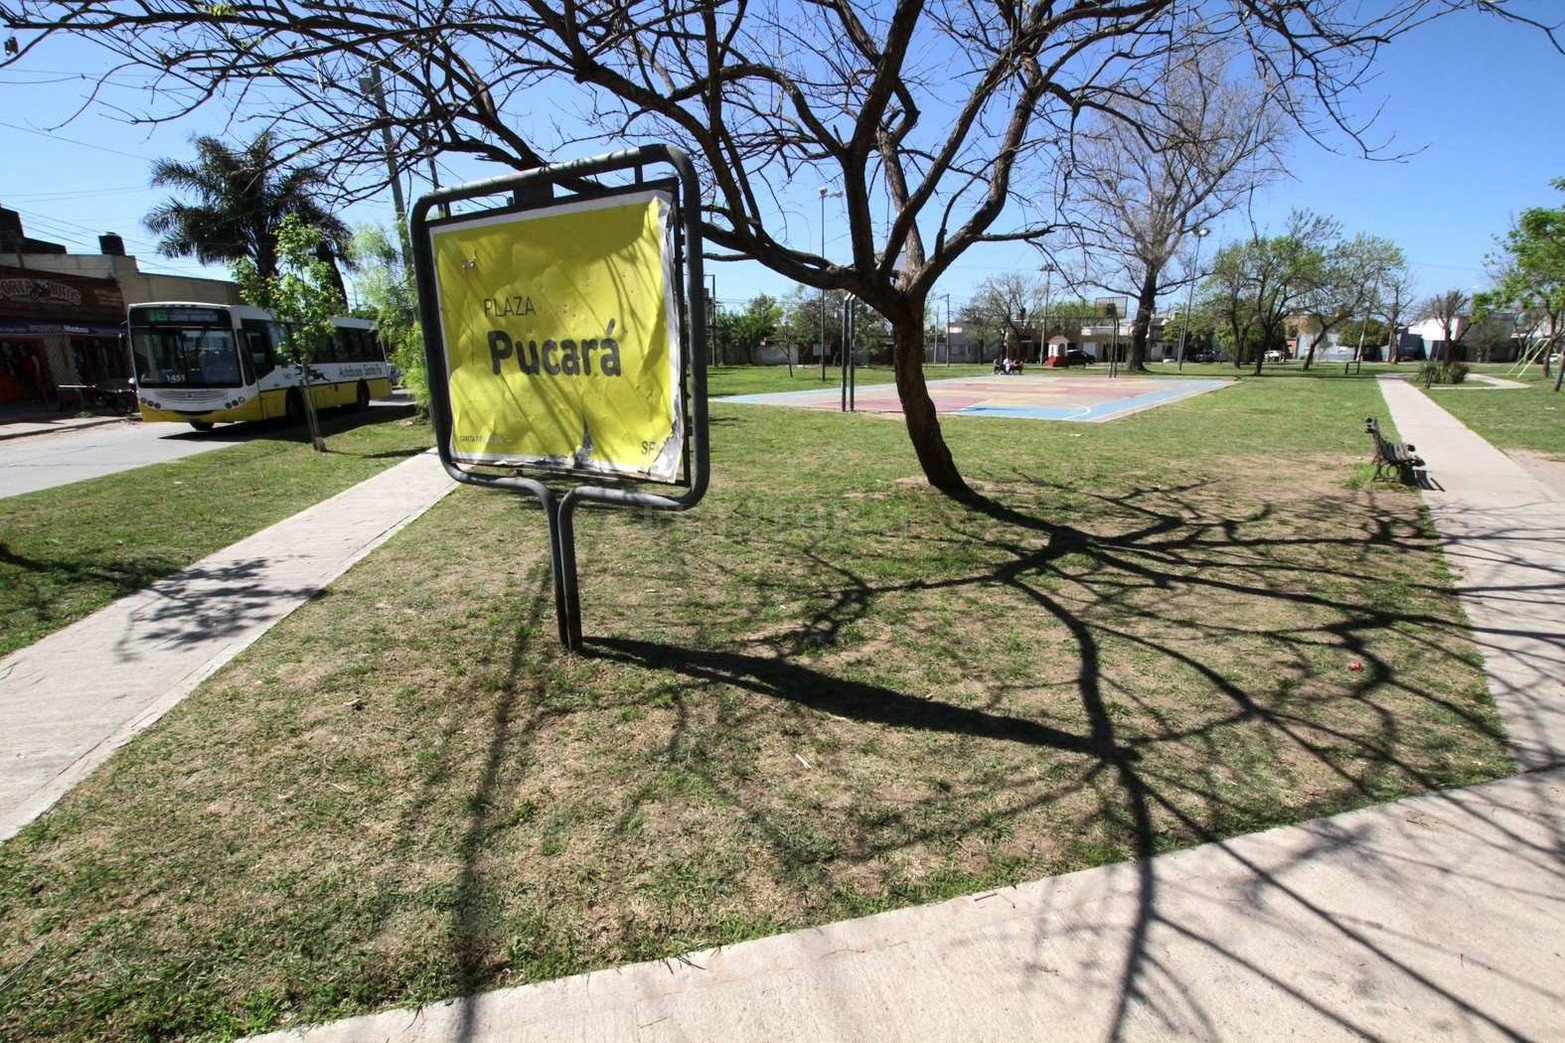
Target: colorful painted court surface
[(1023, 396)]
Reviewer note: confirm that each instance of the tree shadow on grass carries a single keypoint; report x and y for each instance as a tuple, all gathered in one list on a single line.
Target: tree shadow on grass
[(1175, 545), (45, 583)]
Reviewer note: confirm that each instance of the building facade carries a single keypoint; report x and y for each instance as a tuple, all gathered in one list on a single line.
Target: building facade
[(62, 315)]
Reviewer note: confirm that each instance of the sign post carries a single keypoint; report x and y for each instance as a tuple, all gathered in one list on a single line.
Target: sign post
[(565, 336)]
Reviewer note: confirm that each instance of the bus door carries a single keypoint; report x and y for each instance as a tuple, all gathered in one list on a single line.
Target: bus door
[(259, 356)]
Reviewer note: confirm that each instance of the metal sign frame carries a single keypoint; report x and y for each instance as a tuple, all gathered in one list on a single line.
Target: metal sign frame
[(690, 319)]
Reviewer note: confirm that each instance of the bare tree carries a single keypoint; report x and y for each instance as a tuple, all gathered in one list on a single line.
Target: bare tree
[(941, 121), (1393, 302), (1449, 310), (1003, 305), (1172, 161)]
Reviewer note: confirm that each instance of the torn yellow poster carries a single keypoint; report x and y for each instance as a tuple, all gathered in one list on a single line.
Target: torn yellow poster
[(560, 337)]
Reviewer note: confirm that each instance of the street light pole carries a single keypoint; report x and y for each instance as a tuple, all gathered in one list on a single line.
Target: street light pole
[(1184, 335), (1043, 335), (825, 192), (711, 312), (947, 298)]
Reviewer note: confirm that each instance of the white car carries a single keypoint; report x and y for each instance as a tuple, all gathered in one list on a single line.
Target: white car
[(1276, 356)]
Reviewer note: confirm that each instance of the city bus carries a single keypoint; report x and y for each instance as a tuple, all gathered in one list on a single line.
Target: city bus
[(205, 364)]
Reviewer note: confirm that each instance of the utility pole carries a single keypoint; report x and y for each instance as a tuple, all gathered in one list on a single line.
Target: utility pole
[(1043, 334), (711, 313), (947, 298), (370, 87), (1184, 335), (825, 193)]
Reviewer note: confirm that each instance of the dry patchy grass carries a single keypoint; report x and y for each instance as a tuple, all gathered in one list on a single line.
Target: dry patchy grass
[(823, 693)]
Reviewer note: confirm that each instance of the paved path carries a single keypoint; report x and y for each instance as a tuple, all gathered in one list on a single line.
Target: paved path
[(50, 459), (46, 460), (1437, 917), (1503, 532), (1481, 378), (68, 701)]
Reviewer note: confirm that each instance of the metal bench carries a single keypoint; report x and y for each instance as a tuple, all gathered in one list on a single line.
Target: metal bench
[(1397, 458)]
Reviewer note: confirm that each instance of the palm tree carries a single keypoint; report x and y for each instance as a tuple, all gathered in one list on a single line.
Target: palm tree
[(242, 197)]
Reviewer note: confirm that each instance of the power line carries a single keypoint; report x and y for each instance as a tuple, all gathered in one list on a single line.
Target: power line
[(73, 141), (49, 197)]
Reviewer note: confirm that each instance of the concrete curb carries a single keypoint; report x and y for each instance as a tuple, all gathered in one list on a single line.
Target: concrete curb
[(37, 431)]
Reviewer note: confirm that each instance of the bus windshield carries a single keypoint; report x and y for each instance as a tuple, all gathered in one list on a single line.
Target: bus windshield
[(185, 356)]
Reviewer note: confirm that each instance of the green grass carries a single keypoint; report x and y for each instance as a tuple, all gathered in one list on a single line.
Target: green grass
[(824, 692), (68, 551), (1531, 418)]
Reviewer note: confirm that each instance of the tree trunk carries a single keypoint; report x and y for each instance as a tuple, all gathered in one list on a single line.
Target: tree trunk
[(918, 409), (1140, 331), (312, 421), (323, 253)]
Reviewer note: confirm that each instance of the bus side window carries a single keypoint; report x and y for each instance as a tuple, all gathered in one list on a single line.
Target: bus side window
[(335, 351), (259, 348)]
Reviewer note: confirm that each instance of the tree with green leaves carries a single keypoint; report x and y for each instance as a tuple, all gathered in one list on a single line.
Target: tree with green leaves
[(744, 330), (1531, 280), (241, 198), (1347, 285), (303, 296), (1257, 284), (386, 287), (1363, 333), (1448, 309)]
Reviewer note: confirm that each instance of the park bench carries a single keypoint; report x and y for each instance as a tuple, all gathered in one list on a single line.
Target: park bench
[(1392, 457)]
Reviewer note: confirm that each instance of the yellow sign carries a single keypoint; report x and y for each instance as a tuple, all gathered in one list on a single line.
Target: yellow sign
[(560, 337)]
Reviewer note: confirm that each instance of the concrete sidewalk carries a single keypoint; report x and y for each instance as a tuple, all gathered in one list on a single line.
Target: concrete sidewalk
[(1503, 532), (1436, 917), (68, 701)]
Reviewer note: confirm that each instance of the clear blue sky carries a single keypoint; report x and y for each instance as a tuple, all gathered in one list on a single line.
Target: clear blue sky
[(1477, 102)]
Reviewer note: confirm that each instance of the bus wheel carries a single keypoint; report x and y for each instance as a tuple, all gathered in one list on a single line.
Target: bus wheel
[(362, 398), (293, 406), (201, 425)]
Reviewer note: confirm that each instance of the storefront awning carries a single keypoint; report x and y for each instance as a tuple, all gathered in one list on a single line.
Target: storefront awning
[(43, 329)]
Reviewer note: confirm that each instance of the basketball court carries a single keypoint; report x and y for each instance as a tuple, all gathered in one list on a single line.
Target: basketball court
[(1025, 396)]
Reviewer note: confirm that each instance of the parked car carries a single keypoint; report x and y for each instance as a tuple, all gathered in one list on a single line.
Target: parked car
[(1075, 357), (1276, 356), (1209, 356)]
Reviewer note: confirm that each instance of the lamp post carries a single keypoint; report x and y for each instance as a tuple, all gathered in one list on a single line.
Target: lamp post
[(711, 311), (825, 193), (1184, 334), (1043, 334), (947, 298)]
